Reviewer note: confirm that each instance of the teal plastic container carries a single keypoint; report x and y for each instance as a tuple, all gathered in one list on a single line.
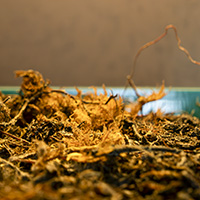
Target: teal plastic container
[(177, 100)]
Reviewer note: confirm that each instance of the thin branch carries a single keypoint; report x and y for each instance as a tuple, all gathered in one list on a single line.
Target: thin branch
[(91, 102), (7, 99), (15, 137), (111, 97), (14, 120)]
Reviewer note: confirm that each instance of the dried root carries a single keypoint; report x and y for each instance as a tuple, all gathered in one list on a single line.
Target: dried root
[(170, 26)]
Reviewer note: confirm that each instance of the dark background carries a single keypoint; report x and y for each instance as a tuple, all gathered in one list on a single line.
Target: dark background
[(91, 42)]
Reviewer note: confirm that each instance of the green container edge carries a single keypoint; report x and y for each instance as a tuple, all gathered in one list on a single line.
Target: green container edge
[(177, 100)]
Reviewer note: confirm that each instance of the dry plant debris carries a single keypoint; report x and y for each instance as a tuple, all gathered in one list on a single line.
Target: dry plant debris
[(54, 145), (57, 146)]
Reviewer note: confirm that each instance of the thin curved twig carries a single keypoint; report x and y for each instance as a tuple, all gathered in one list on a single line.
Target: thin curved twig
[(170, 26)]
